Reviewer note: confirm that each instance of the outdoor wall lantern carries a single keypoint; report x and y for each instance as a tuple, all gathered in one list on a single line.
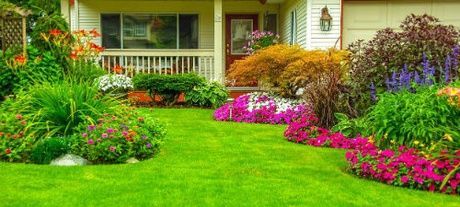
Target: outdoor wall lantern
[(263, 1), (325, 21)]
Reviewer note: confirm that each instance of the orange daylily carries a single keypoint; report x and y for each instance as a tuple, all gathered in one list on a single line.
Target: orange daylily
[(94, 33), (20, 59), (118, 69), (55, 32)]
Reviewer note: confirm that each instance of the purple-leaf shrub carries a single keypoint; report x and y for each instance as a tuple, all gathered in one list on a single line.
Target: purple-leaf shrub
[(263, 108)]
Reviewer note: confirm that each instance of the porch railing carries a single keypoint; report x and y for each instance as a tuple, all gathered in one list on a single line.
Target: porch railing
[(132, 62)]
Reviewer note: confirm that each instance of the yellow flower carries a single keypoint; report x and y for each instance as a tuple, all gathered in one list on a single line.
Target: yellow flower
[(416, 142), (448, 137)]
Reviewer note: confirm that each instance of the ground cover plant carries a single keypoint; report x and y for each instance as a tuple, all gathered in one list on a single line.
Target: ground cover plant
[(223, 163), (263, 108)]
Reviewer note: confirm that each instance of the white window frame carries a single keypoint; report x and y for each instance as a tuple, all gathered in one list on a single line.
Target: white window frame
[(293, 28)]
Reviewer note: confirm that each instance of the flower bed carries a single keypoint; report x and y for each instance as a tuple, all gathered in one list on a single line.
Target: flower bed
[(405, 167), (263, 108)]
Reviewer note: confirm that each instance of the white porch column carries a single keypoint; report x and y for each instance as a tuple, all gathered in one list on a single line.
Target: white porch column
[(65, 10), (219, 68)]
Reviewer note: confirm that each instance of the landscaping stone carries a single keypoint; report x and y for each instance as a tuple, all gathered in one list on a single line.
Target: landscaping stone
[(132, 160), (70, 160)]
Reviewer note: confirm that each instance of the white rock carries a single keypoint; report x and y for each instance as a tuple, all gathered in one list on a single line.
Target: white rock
[(70, 160), (132, 160)]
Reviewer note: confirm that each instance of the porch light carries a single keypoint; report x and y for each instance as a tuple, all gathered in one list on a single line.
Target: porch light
[(325, 21)]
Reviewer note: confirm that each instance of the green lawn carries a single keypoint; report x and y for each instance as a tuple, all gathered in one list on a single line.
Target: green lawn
[(208, 163)]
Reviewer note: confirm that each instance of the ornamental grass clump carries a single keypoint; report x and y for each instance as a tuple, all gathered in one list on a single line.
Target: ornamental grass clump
[(263, 108)]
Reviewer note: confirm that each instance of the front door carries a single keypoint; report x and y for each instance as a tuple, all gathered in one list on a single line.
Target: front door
[(237, 34)]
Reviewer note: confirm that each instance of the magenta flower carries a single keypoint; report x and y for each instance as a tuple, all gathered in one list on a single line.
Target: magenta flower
[(84, 135), (148, 145), (90, 141), (91, 128), (110, 131)]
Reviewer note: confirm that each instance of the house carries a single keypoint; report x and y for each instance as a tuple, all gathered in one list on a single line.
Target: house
[(206, 36)]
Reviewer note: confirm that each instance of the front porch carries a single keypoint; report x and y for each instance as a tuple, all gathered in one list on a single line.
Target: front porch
[(208, 57)]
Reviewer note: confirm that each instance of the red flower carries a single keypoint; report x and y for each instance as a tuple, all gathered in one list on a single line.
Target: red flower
[(73, 55), (118, 69), (20, 59), (55, 32), (96, 48), (19, 117), (8, 151)]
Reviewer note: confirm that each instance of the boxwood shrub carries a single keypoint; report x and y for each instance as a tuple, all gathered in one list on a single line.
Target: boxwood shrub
[(168, 87)]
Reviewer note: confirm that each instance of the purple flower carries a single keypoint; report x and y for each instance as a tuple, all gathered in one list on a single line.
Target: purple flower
[(90, 141), (112, 148), (124, 133), (373, 92), (104, 135), (91, 128), (84, 135), (148, 145)]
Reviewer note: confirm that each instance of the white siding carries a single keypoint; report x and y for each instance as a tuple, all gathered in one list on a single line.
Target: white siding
[(89, 12), (363, 18), (300, 7), (318, 39)]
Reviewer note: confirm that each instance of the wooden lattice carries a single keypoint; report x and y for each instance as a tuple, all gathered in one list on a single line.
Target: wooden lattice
[(12, 32)]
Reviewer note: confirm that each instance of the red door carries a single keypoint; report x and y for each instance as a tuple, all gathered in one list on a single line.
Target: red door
[(238, 30)]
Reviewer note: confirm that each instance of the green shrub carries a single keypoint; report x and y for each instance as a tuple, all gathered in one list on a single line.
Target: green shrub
[(16, 139), (49, 149), (412, 119), (43, 25), (168, 87), (7, 80), (114, 139), (60, 107), (41, 67), (211, 94), (350, 127)]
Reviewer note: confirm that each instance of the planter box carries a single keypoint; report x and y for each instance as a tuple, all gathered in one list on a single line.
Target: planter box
[(143, 98)]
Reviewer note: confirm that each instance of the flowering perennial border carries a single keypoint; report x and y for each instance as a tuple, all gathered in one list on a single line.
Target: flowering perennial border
[(405, 167), (263, 108)]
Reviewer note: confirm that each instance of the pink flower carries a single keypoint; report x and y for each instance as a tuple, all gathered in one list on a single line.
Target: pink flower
[(84, 135), (112, 148), (104, 135), (90, 141)]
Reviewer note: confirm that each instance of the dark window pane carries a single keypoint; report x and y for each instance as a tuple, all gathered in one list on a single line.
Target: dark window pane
[(188, 31), (149, 31), (271, 23), (111, 31)]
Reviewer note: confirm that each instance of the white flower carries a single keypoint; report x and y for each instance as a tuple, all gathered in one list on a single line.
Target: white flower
[(113, 82)]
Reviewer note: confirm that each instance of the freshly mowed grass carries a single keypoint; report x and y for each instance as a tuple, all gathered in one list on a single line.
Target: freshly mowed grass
[(208, 163)]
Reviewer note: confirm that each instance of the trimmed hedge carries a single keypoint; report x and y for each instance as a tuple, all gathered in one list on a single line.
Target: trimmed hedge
[(168, 87)]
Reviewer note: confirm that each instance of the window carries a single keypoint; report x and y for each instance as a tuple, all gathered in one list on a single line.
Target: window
[(271, 23), (110, 28), (150, 31), (293, 32)]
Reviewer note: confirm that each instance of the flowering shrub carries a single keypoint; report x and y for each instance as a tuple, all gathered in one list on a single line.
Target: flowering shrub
[(263, 108), (260, 40), (15, 138), (405, 167), (115, 83), (114, 139)]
